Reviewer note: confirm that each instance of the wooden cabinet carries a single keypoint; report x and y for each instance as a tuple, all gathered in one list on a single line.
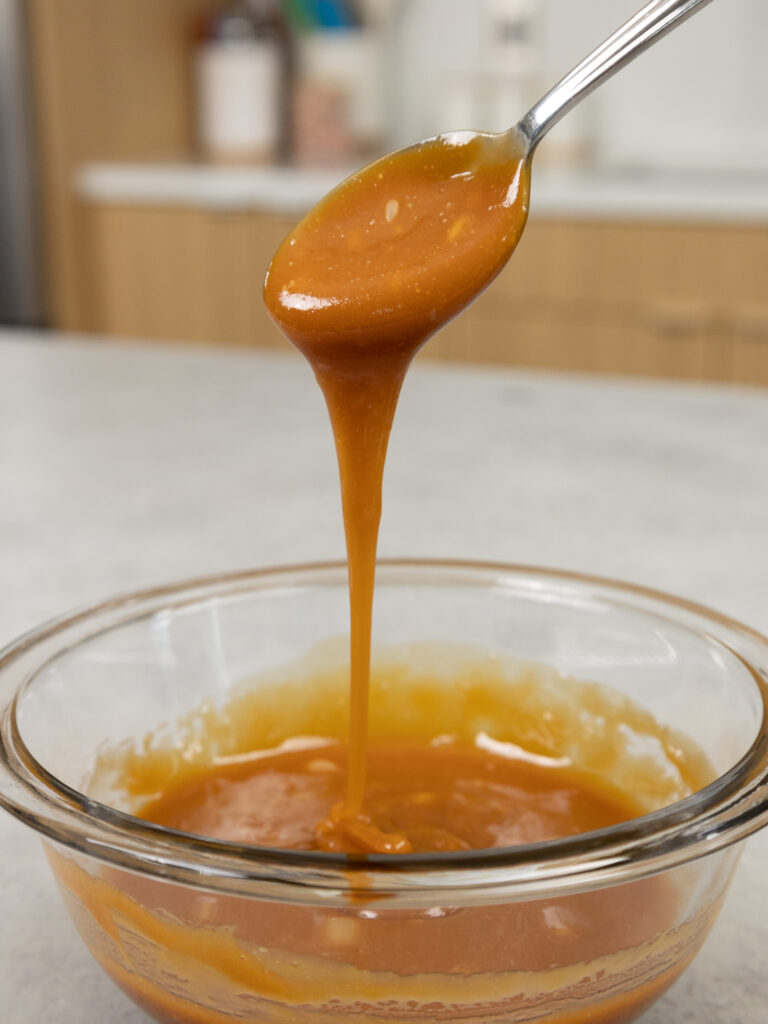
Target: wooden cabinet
[(677, 301), (112, 83), (650, 299), (182, 274)]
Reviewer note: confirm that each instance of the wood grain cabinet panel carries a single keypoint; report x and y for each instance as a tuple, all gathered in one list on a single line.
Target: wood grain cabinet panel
[(112, 82), (749, 336), (181, 274), (677, 301), (652, 300)]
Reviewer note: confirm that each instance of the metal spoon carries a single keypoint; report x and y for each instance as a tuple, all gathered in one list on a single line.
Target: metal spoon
[(650, 24)]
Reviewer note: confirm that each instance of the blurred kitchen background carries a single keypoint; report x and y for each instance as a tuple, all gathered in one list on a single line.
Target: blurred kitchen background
[(154, 152)]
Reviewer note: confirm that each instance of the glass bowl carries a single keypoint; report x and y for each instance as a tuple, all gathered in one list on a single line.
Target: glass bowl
[(591, 928)]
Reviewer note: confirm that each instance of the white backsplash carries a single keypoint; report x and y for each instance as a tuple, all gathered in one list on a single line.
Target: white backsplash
[(695, 101), (698, 99)]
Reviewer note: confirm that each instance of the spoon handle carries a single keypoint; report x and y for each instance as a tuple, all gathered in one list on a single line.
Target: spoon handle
[(641, 31)]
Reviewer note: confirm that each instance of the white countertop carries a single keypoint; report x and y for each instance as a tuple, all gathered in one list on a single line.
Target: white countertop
[(736, 197), (123, 466), (284, 190)]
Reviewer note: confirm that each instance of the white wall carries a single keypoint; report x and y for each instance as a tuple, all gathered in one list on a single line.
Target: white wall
[(699, 99), (437, 39)]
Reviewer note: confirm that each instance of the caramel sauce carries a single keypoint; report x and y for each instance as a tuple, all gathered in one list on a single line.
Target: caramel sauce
[(592, 958), (429, 797), (478, 757), (464, 751), (452, 709), (359, 286)]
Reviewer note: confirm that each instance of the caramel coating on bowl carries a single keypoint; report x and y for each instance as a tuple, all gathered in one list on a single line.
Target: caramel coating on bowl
[(418, 695), (199, 957)]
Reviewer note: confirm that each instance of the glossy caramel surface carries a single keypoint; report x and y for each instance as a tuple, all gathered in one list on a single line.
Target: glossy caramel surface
[(419, 798), (362, 282), (464, 752), (401, 247)]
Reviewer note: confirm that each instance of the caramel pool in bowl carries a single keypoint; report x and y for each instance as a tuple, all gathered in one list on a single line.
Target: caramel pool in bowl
[(590, 927)]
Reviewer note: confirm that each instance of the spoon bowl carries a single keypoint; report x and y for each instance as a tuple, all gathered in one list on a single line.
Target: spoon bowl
[(401, 247)]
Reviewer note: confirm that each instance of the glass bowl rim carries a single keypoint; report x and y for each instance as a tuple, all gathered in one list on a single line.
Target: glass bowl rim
[(724, 812)]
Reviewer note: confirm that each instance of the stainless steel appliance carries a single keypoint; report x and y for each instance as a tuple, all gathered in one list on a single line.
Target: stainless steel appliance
[(19, 296)]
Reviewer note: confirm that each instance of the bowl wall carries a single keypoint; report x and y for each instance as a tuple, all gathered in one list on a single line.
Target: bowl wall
[(570, 932), (193, 957), (152, 666)]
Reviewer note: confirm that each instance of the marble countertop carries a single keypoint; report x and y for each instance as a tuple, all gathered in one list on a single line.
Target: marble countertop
[(735, 197), (123, 466)]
